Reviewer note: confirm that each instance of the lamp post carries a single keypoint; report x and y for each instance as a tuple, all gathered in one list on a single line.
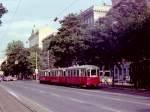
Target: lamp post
[(16, 63), (36, 66)]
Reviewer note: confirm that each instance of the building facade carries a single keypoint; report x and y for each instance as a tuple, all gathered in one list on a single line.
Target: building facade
[(115, 2), (37, 35), (92, 14), (121, 72), (46, 58)]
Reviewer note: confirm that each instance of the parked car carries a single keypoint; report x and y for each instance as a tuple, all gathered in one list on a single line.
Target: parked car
[(14, 78), (8, 78), (1, 79)]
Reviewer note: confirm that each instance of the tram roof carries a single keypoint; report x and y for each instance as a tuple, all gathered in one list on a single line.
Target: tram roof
[(84, 66), (75, 67)]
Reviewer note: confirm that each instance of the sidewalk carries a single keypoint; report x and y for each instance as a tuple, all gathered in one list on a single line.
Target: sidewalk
[(125, 90), (9, 103)]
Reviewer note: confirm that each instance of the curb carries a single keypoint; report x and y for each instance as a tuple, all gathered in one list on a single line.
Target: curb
[(29, 104)]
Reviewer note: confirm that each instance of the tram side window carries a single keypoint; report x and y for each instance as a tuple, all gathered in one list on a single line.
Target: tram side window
[(69, 73), (74, 73), (83, 73), (77, 73), (44, 73), (52, 73), (64, 73), (88, 72), (60, 73), (47, 73), (55, 73)]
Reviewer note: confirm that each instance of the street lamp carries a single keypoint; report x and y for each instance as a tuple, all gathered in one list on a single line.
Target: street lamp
[(115, 26), (16, 62), (36, 65)]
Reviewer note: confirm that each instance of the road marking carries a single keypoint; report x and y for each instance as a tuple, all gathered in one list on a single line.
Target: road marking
[(83, 102), (76, 100), (100, 106), (109, 93), (30, 104), (110, 109), (105, 97), (54, 94)]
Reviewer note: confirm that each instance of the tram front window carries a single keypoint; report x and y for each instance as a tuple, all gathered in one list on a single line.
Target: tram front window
[(93, 72)]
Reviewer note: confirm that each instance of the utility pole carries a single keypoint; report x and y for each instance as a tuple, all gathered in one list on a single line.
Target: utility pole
[(48, 59), (36, 66)]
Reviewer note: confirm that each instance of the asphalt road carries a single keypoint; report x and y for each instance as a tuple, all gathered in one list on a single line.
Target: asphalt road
[(67, 99)]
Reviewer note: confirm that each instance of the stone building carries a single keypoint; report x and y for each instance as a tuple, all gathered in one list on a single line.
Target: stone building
[(92, 14), (37, 36)]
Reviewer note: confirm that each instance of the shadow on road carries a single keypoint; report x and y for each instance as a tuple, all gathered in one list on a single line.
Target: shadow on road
[(109, 88), (144, 110)]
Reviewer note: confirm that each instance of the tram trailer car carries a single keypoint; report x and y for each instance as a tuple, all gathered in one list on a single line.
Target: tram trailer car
[(85, 75)]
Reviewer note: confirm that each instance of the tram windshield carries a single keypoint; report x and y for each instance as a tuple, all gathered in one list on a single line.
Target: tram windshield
[(93, 72)]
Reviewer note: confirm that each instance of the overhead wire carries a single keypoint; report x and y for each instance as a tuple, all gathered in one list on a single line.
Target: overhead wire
[(11, 20), (70, 5)]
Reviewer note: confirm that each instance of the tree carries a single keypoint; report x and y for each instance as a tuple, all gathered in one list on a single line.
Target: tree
[(68, 43), (125, 30), (17, 62), (35, 55), (3, 10)]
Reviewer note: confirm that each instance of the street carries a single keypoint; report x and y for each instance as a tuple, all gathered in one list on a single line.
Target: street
[(69, 99)]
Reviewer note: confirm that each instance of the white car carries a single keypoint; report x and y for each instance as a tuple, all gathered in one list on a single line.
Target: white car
[(8, 78), (1, 79)]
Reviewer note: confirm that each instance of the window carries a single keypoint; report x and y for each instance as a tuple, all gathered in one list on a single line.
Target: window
[(88, 72), (74, 73), (116, 71), (124, 71), (69, 73), (77, 73), (44, 73), (107, 73), (83, 73), (93, 72), (64, 73)]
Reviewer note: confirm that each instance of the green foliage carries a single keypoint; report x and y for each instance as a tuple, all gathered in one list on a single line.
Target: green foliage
[(125, 31), (2, 11), (139, 72), (17, 60), (12, 46), (68, 43), (35, 51)]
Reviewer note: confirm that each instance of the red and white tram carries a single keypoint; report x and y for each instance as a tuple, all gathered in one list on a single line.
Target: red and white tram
[(85, 75)]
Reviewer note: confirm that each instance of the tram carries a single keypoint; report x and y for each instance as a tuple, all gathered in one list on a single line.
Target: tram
[(84, 75)]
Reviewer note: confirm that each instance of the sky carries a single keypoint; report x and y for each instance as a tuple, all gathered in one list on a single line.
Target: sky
[(20, 19)]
